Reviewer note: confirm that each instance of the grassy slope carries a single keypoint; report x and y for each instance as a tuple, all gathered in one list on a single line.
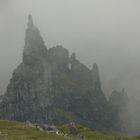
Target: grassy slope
[(12, 130), (92, 135)]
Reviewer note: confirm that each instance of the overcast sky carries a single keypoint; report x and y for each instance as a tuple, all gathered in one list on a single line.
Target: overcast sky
[(103, 31)]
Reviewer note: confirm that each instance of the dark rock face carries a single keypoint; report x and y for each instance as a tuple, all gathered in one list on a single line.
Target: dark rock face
[(119, 103), (52, 87)]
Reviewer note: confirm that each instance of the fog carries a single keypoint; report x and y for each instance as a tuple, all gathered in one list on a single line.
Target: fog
[(103, 31)]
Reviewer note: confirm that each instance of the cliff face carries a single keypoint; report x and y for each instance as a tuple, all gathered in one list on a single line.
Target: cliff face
[(51, 86)]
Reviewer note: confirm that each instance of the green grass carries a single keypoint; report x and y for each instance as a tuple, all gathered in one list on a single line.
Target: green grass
[(92, 135), (12, 130), (89, 134)]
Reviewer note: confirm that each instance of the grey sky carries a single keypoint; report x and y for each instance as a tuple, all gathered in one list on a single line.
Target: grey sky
[(103, 31)]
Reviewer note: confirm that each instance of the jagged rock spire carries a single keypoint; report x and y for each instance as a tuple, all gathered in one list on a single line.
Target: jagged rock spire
[(34, 48), (30, 21), (96, 76), (42, 85)]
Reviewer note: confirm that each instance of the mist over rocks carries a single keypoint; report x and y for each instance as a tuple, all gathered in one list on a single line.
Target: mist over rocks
[(119, 102), (51, 86)]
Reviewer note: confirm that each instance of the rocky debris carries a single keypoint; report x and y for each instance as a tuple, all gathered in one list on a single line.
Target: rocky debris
[(44, 127), (50, 129)]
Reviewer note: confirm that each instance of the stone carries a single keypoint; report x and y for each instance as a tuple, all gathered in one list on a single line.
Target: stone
[(44, 89)]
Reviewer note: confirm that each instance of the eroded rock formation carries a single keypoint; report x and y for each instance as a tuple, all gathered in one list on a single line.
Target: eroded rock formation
[(52, 86)]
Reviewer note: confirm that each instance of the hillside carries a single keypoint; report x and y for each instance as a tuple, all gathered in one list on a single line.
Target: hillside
[(12, 130)]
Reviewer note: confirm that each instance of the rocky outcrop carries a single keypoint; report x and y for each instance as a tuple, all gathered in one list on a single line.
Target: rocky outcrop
[(53, 87), (119, 103)]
